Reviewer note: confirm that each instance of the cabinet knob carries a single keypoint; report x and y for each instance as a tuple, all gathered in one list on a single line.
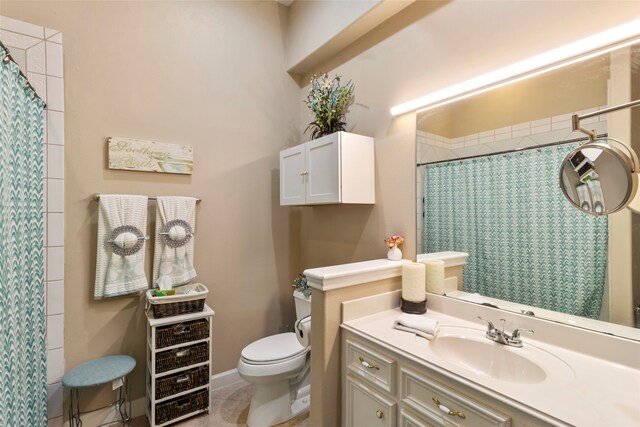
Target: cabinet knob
[(379, 413), (304, 173)]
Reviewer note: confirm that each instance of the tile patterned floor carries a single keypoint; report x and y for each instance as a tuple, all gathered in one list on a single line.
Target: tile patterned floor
[(229, 408)]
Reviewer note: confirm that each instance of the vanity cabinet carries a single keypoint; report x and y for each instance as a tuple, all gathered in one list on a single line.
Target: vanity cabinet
[(383, 388), (336, 168), (178, 370)]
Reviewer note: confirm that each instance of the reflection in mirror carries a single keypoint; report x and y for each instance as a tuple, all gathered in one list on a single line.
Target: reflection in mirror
[(599, 178), (487, 185)]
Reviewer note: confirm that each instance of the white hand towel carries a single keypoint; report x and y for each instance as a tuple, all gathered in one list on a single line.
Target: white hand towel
[(176, 264), (417, 324), (118, 274)]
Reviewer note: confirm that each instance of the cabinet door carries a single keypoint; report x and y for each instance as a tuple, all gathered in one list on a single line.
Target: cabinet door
[(323, 170), (366, 408), (292, 176)]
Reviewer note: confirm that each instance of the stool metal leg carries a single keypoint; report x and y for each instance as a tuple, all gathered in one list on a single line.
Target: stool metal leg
[(74, 408), (123, 397)]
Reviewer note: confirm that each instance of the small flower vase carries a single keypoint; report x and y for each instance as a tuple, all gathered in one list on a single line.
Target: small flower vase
[(394, 254)]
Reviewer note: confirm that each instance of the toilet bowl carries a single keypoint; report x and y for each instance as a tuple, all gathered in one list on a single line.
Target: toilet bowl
[(278, 367)]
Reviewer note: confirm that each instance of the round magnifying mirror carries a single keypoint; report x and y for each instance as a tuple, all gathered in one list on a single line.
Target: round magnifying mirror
[(600, 177)]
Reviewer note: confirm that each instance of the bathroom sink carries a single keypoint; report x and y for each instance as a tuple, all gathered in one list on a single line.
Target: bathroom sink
[(470, 349)]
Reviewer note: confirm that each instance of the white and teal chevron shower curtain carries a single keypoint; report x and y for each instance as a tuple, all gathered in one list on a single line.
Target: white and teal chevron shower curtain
[(23, 392), (526, 243)]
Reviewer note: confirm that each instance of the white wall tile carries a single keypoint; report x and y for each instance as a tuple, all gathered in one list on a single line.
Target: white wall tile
[(55, 161), (55, 93), (55, 227), (55, 127), (55, 195), (55, 263), (21, 41), (55, 297), (20, 56), (520, 132), (39, 83), (36, 59), (486, 139), (21, 27), (54, 59), (55, 331), (54, 402), (44, 260), (566, 124), (541, 122), (55, 365), (56, 38), (541, 128), (50, 32)]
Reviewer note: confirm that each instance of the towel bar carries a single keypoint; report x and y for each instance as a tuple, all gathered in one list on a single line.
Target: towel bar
[(96, 197)]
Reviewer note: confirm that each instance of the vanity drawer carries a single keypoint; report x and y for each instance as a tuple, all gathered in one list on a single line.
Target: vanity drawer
[(371, 366), (443, 406)]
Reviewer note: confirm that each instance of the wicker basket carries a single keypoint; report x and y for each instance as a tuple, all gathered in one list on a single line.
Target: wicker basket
[(181, 357), (195, 330), (182, 381), (174, 305), (174, 408)]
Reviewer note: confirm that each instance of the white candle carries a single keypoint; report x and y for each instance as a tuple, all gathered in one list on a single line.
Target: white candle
[(435, 276), (413, 282)]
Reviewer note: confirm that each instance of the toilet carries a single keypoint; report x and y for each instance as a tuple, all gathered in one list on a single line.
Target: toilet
[(278, 367)]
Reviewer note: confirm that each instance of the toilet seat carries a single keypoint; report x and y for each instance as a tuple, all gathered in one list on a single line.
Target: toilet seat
[(273, 349)]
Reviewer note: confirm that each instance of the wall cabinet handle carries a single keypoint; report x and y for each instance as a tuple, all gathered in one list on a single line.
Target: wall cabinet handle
[(447, 410), (379, 413), (367, 364), (303, 173)]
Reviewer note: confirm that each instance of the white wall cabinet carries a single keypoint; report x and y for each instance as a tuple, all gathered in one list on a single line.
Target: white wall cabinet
[(337, 168), (384, 388)]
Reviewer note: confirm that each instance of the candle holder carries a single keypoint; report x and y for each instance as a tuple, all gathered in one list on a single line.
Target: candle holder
[(412, 307)]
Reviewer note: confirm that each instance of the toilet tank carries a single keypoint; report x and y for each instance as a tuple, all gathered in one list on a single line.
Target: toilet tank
[(303, 304)]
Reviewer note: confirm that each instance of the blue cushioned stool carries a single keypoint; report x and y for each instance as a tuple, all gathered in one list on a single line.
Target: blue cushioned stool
[(97, 372)]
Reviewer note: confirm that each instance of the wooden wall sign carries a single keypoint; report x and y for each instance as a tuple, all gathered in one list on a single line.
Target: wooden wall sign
[(149, 156)]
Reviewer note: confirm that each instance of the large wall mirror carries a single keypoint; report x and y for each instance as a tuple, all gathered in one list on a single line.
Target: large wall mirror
[(487, 184)]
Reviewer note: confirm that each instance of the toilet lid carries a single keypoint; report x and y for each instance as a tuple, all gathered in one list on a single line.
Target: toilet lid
[(273, 348)]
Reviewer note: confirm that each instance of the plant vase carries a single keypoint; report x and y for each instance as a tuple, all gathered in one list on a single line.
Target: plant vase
[(394, 254)]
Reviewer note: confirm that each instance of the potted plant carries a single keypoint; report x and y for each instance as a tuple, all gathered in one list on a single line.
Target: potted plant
[(329, 101)]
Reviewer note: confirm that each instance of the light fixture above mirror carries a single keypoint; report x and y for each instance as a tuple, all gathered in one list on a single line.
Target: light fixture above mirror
[(581, 50)]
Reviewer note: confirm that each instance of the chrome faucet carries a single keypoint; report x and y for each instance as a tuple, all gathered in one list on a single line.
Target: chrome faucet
[(501, 337)]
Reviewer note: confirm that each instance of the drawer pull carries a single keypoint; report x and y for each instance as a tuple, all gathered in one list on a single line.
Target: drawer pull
[(183, 379), (447, 410), (367, 364), (379, 413), (182, 353)]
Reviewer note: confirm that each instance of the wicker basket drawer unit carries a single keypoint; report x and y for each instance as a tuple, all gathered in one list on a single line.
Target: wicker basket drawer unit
[(181, 357), (180, 406), (180, 333)]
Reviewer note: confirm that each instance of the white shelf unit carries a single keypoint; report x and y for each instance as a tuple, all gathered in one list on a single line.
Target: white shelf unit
[(336, 168), (152, 376)]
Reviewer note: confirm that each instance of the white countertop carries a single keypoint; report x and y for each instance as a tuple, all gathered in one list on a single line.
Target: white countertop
[(602, 393)]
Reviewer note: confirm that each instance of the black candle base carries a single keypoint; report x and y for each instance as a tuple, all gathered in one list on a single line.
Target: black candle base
[(413, 307)]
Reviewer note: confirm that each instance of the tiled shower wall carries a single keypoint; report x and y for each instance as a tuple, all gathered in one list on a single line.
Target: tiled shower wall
[(433, 148), (38, 52)]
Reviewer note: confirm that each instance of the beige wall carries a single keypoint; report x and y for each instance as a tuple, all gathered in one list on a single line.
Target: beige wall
[(426, 47), (206, 74)]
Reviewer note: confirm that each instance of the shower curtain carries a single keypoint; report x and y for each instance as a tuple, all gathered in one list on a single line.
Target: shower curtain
[(526, 243), (22, 303)]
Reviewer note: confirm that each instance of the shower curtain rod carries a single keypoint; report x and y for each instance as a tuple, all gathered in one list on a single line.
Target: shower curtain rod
[(96, 197), (7, 58), (552, 144)]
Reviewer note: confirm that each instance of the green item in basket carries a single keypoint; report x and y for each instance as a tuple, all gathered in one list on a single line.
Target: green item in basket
[(161, 293)]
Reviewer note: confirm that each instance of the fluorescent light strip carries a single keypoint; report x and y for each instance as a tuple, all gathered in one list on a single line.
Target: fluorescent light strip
[(563, 56)]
